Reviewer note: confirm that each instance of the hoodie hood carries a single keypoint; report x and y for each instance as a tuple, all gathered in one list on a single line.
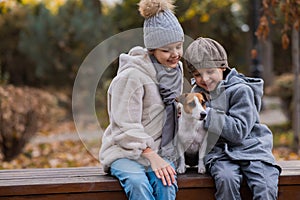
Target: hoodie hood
[(137, 58), (256, 84)]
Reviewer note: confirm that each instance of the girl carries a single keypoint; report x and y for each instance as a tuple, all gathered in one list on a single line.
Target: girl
[(137, 145)]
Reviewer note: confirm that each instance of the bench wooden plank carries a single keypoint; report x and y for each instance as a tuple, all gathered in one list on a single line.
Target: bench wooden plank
[(120, 195), (92, 183)]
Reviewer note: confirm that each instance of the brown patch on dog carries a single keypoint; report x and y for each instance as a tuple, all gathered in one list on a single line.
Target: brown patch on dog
[(202, 99), (188, 101)]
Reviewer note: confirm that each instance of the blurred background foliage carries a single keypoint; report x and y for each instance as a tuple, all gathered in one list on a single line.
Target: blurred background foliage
[(44, 42)]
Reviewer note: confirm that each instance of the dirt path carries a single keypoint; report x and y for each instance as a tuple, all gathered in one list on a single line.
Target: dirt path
[(272, 114)]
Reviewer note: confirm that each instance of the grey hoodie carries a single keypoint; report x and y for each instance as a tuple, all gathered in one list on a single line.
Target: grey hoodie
[(233, 121), (135, 109)]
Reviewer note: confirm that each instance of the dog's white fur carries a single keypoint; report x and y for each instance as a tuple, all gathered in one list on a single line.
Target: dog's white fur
[(191, 137)]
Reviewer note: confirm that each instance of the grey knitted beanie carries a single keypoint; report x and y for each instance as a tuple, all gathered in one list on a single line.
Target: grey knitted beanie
[(161, 27), (205, 53)]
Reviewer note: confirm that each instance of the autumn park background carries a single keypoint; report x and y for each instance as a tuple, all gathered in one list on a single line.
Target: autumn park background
[(44, 42)]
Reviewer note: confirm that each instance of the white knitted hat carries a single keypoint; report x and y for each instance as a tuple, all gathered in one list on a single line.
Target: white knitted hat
[(161, 27), (206, 53)]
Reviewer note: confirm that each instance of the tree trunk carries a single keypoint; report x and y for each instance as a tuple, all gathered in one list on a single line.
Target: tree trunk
[(267, 61), (296, 99)]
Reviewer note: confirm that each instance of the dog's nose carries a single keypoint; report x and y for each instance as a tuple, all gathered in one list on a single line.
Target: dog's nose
[(202, 115)]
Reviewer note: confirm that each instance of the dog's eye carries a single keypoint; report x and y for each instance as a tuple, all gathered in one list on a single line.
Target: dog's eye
[(192, 104)]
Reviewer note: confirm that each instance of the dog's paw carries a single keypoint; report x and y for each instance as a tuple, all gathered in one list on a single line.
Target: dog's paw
[(181, 169), (201, 170)]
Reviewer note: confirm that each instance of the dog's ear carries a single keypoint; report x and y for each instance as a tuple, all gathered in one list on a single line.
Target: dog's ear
[(181, 98), (206, 96)]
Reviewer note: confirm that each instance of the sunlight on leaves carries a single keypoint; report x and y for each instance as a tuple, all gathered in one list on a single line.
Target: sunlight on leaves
[(204, 18), (51, 5)]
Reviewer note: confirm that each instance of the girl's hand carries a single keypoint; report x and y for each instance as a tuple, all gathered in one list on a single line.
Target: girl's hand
[(163, 170)]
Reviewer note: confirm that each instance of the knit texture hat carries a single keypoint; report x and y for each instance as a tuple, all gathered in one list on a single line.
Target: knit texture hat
[(205, 53), (161, 27)]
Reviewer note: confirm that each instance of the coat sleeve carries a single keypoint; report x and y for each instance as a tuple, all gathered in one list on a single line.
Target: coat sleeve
[(236, 123), (126, 116)]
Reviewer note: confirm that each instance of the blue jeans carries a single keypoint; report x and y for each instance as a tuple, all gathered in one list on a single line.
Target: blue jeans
[(141, 183), (262, 179)]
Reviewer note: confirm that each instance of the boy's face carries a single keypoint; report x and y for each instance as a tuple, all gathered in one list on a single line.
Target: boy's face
[(169, 55), (208, 78)]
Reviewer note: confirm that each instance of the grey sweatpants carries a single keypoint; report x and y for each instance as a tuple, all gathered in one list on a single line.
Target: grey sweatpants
[(262, 179)]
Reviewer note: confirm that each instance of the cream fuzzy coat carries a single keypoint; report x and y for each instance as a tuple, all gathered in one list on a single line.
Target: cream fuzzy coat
[(135, 108)]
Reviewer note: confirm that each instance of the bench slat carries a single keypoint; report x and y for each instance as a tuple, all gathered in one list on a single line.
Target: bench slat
[(92, 183)]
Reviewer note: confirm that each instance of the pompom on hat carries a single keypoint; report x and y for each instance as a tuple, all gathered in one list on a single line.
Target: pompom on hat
[(205, 53), (161, 27)]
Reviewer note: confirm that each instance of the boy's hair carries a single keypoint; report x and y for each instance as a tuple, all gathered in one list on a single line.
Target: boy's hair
[(161, 27), (205, 53)]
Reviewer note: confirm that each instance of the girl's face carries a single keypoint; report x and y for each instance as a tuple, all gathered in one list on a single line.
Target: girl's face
[(169, 55), (208, 78)]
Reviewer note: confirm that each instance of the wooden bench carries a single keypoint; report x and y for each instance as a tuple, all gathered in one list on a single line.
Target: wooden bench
[(90, 183)]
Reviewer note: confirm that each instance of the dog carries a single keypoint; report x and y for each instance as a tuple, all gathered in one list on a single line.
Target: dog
[(191, 137)]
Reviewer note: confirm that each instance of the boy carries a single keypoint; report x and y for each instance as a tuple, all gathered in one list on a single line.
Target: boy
[(241, 147)]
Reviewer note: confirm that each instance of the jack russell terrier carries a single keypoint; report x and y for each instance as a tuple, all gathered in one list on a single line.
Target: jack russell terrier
[(191, 137)]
